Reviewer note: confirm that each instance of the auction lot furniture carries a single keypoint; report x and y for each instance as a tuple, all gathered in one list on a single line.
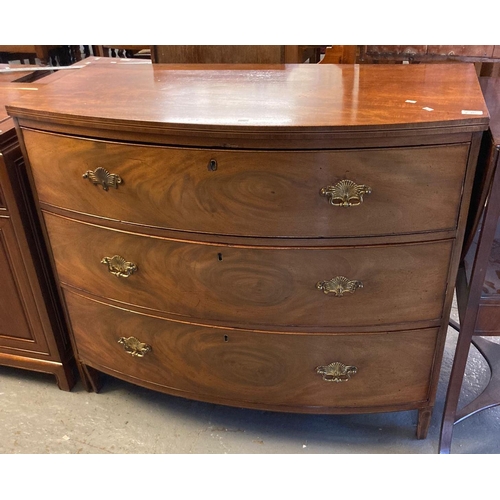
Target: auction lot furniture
[(478, 285), (275, 237)]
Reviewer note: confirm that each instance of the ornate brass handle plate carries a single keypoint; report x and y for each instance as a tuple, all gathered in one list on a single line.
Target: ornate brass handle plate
[(336, 372), (135, 347), (339, 285), (119, 266), (345, 193), (102, 177)]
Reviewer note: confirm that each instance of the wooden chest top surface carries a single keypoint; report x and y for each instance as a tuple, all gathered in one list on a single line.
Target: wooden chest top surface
[(287, 98)]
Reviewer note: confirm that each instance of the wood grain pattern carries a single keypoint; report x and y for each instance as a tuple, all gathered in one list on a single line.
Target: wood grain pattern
[(222, 54), (13, 320), (265, 193), (245, 368), (246, 285)]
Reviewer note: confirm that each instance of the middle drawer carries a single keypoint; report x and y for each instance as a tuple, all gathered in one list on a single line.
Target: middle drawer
[(245, 285)]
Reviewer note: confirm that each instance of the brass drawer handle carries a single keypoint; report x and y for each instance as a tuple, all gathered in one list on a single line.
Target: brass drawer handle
[(345, 193), (339, 285), (103, 177), (119, 266), (336, 372), (135, 347)]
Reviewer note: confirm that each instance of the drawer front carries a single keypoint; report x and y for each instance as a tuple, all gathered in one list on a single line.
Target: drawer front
[(255, 285), (247, 368), (253, 193)]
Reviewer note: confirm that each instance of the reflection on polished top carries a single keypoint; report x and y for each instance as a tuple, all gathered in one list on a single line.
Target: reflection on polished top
[(239, 97)]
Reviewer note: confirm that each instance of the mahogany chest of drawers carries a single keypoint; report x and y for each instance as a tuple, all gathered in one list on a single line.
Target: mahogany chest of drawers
[(272, 237)]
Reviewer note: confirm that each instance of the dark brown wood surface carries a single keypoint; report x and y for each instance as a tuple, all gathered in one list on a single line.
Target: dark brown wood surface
[(213, 54), (236, 100), (256, 285), (15, 309), (244, 368), (264, 193), (234, 54)]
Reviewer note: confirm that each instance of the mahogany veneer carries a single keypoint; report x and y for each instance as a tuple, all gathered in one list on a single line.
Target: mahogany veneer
[(220, 200)]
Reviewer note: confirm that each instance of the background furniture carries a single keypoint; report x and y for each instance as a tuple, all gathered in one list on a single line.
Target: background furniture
[(340, 54), (234, 54), (486, 58), (478, 283), (270, 238), (131, 51), (33, 334), (55, 55)]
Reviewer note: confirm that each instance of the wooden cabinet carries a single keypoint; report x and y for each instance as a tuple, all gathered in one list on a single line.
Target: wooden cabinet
[(32, 332), (278, 237)]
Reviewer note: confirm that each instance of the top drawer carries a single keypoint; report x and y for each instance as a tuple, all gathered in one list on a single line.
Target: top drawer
[(253, 193)]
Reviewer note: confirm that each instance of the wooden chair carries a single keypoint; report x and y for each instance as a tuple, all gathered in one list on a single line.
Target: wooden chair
[(478, 282)]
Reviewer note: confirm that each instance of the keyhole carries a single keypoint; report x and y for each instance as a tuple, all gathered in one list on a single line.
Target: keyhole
[(226, 338), (212, 165), (219, 256)]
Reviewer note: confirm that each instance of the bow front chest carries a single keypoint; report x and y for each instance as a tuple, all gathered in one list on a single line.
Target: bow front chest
[(273, 237)]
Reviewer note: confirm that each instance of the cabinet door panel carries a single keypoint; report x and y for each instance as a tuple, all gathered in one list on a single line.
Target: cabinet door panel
[(17, 331)]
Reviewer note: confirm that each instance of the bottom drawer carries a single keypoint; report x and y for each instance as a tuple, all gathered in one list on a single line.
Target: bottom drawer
[(264, 370)]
